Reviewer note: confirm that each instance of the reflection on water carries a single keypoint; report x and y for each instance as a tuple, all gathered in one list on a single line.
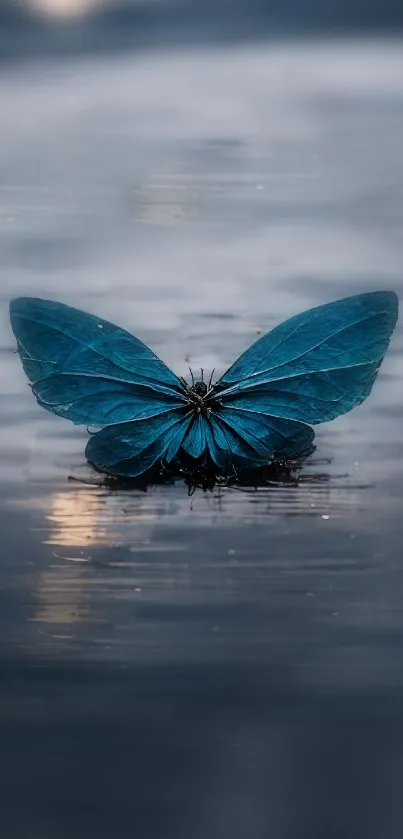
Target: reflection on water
[(74, 519), (87, 517), (63, 9), (187, 667), (141, 566)]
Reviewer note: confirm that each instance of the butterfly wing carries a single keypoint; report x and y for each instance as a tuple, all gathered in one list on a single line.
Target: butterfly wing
[(262, 437), (88, 370), (129, 449), (315, 366), (243, 439), (225, 447), (206, 433), (195, 442)]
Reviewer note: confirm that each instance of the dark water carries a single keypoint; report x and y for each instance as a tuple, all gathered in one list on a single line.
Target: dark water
[(229, 665)]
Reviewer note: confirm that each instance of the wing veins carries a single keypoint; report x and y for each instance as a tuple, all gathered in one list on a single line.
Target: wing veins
[(255, 385), (314, 347), (221, 420), (95, 347), (106, 378), (142, 451), (67, 405)]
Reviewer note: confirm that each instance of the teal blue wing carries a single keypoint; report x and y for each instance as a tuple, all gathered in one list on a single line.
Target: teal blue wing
[(88, 370), (207, 434), (268, 437), (229, 450), (131, 448), (317, 365), (254, 440), (237, 439), (195, 442)]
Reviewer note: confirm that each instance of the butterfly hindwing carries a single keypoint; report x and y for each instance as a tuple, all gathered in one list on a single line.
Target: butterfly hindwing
[(88, 370), (229, 450), (224, 447), (318, 364), (129, 449), (268, 437), (195, 441)]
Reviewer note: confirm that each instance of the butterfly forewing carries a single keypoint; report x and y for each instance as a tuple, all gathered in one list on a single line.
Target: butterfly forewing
[(87, 369), (316, 365)]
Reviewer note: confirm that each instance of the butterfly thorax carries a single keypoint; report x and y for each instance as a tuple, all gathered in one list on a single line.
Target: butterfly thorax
[(200, 397), (200, 389)]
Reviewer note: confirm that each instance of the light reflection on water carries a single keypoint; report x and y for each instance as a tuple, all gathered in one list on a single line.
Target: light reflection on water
[(111, 558)]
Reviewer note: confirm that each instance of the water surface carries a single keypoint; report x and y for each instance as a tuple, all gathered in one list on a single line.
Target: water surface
[(230, 664)]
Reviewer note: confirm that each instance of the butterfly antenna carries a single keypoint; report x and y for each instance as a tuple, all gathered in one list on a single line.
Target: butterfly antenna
[(191, 373), (202, 373), (211, 379), (184, 382)]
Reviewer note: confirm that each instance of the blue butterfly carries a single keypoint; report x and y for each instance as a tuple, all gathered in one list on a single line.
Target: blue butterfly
[(308, 370)]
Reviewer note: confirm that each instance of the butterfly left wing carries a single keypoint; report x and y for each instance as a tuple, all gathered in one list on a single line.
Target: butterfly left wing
[(88, 370), (315, 366), (128, 449)]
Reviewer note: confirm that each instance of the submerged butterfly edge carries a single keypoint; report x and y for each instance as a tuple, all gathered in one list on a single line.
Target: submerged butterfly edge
[(309, 369)]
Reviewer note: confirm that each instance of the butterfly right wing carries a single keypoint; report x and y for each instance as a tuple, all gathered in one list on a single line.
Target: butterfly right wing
[(315, 366), (239, 439), (261, 438), (88, 370)]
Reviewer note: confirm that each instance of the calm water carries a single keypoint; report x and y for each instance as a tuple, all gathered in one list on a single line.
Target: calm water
[(228, 665)]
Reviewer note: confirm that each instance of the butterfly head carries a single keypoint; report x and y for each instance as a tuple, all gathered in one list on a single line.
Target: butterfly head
[(199, 395), (200, 388)]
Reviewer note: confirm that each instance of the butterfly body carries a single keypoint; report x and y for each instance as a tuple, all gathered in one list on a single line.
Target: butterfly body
[(200, 389), (309, 369), (200, 397)]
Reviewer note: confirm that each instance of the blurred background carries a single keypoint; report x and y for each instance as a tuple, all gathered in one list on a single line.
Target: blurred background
[(50, 26), (228, 665)]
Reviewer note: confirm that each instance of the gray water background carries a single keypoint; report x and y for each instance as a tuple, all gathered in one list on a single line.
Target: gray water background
[(229, 665)]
